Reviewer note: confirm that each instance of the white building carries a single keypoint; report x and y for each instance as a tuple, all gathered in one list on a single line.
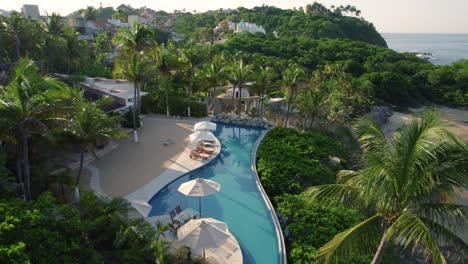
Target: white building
[(117, 23), (135, 18), (31, 11), (249, 27)]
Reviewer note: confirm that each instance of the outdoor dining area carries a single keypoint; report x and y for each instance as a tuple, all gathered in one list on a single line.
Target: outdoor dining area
[(202, 142), (206, 237)]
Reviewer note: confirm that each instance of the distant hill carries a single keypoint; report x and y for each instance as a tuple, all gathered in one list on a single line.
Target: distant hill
[(315, 21)]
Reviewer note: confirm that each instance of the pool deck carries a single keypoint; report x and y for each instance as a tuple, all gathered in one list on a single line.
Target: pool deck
[(128, 168), (181, 166)]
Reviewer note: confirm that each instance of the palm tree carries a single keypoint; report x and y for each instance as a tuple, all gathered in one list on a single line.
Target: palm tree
[(27, 106), (53, 23), (214, 73), (290, 78), (409, 181), (132, 60), (89, 124), (133, 70), (240, 74), (192, 56), (262, 85), (14, 25), (310, 102), (167, 62), (89, 13)]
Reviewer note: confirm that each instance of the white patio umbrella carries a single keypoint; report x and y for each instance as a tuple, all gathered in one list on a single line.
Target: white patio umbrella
[(198, 136), (199, 187), (203, 233), (141, 206), (204, 126)]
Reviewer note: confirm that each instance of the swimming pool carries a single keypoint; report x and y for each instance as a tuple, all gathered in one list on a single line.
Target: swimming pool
[(239, 203)]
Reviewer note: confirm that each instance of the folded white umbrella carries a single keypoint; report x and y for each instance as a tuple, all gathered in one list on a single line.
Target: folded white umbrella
[(198, 136), (141, 206), (203, 233), (199, 187), (205, 125)]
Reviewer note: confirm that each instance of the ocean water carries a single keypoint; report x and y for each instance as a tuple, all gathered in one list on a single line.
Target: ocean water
[(445, 48)]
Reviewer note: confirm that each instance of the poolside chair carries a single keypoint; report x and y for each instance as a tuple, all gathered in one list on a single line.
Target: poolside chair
[(178, 210), (206, 143), (201, 149), (172, 214), (194, 154)]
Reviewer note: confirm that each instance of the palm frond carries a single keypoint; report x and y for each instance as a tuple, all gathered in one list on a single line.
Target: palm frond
[(410, 231), (446, 238), (451, 215), (360, 238)]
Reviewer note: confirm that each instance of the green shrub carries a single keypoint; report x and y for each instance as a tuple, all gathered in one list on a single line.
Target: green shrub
[(127, 121), (310, 226), (289, 160), (178, 106)]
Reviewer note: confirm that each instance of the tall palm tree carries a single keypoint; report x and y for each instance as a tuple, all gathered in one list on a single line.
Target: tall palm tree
[(167, 62), (14, 25), (290, 79), (241, 73), (132, 60), (28, 105), (88, 124), (192, 56), (89, 13), (53, 23), (262, 85), (215, 74), (409, 181), (133, 70)]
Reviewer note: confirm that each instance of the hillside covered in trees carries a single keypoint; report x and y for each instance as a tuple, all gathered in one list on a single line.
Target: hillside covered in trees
[(314, 21)]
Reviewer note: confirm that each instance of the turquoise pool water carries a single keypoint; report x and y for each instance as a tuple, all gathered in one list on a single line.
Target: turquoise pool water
[(239, 202)]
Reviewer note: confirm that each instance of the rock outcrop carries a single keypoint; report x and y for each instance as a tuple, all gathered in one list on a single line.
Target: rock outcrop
[(381, 114)]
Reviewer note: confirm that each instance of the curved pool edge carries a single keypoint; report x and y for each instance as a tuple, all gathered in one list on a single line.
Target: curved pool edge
[(149, 190), (271, 209)]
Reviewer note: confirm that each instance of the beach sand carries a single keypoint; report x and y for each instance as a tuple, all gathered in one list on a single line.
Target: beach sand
[(454, 119), (132, 165)]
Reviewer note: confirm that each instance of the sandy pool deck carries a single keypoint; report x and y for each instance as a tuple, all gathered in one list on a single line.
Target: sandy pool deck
[(132, 165)]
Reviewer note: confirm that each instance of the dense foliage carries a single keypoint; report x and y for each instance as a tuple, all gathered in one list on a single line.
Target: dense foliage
[(48, 231), (311, 226), (313, 23), (289, 160)]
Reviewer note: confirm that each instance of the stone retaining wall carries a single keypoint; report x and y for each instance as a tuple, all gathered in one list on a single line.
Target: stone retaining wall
[(242, 121)]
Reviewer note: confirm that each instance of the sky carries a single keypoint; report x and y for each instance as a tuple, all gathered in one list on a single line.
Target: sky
[(388, 16)]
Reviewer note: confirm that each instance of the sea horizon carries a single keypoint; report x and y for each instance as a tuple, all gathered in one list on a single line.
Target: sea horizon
[(445, 48)]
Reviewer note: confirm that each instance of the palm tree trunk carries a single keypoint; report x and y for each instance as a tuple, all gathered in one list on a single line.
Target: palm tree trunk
[(80, 170), (19, 171), (135, 132), (27, 169), (260, 106), (189, 89), (289, 107), (138, 101), (240, 100), (166, 96), (213, 103), (378, 255), (18, 52), (233, 97)]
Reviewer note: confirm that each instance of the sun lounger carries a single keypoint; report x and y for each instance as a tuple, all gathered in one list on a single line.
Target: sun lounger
[(206, 144), (172, 214), (201, 149), (178, 210), (195, 154)]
